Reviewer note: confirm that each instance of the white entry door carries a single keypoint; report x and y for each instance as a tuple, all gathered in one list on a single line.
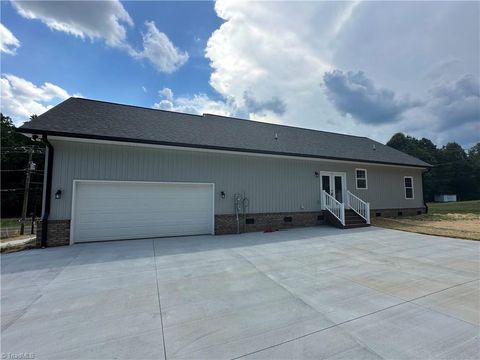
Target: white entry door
[(334, 183), (113, 210)]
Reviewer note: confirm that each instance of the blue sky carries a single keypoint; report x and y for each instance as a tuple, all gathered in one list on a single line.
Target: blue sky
[(94, 70), (362, 68)]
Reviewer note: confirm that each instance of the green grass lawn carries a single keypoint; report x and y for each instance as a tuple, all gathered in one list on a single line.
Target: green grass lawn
[(10, 222), (460, 207)]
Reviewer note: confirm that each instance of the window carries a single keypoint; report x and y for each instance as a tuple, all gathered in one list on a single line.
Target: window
[(408, 183), (361, 178)]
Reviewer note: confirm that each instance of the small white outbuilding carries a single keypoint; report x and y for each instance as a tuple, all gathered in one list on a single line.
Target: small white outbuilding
[(445, 198)]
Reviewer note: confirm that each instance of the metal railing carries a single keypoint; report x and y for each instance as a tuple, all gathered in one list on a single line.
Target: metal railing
[(335, 207), (361, 207)]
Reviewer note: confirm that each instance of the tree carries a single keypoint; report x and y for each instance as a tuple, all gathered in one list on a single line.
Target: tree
[(474, 160), (398, 141), (454, 171), (474, 154), (424, 150), (14, 159)]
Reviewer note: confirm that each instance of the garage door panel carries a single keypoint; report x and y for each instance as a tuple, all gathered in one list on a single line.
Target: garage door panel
[(140, 211), (130, 234), (141, 222), (138, 225), (122, 210)]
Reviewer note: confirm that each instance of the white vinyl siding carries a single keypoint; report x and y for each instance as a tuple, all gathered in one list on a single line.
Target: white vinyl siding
[(113, 210), (271, 184), (408, 184)]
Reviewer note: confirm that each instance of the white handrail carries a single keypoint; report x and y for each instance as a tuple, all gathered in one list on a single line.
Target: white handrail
[(335, 207), (361, 207)]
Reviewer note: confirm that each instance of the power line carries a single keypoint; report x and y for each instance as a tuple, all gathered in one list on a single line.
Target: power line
[(19, 189), (20, 152), (23, 147), (14, 170)]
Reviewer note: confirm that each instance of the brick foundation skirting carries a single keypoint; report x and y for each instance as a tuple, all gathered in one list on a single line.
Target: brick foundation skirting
[(59, 230), (58, 233), (227, 224), (396, 212)]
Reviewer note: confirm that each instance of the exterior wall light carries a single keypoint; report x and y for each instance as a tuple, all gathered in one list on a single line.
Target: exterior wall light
[(317, 174), (58, 194), (222, 194)]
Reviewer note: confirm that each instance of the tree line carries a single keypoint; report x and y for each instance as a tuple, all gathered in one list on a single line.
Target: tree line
[(454, 170), (14, 153)]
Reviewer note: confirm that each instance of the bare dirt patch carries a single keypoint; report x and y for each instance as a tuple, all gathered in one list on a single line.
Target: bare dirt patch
[(464, 226)]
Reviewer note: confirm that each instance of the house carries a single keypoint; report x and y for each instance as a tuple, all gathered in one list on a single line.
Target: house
[(445, 198), (125, 172)]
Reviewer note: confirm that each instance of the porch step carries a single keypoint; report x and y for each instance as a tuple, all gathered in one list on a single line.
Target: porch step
[(352, 220), (351, 226)]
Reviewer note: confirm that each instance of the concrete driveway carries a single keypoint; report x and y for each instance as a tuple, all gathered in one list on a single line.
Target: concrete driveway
[(306, 293)]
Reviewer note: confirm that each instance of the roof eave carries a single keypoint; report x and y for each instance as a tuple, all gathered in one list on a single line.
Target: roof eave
[(199, 146)]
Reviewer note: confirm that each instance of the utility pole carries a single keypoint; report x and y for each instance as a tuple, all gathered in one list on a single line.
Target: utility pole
[(26, 191)]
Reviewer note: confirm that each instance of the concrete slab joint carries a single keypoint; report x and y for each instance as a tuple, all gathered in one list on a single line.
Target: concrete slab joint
[(316, 293)]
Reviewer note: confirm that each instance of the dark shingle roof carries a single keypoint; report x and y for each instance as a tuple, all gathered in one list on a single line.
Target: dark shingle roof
[(85, 118)]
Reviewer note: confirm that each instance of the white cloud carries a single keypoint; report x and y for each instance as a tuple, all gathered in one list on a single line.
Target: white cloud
[(159, 50), (167, 93), (355, 94), (21, 98), (8, 42), (107, 20), (254, 53), (457, 102), (282, 50), (456, 107), (275, 105), (197, 104), (85, 19), (165, 105)]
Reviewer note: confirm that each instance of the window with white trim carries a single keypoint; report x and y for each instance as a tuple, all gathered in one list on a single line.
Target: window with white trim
[(408, 184), (361, 178)]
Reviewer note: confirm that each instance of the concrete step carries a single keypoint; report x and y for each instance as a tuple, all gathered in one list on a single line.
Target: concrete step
[(352, 220), (353, 217), (356, 226), (355, 221)]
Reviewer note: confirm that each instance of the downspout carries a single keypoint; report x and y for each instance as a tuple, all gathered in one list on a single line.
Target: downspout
[(48, 191), (423, 190)]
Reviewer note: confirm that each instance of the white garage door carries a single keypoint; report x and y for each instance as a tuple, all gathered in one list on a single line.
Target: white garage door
[(116, 210)]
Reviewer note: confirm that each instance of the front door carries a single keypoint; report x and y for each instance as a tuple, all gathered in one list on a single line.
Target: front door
[(334, 184)]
